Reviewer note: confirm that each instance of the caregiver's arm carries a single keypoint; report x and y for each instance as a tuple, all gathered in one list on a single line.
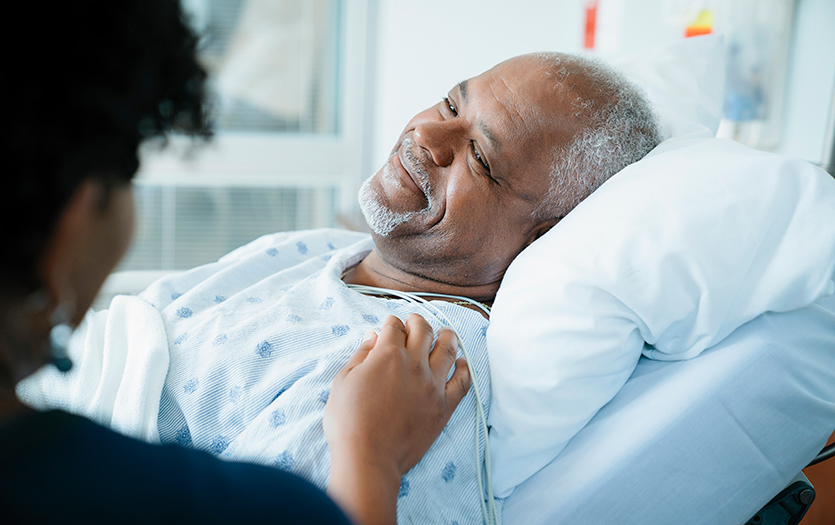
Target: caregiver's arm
[(386, 408)]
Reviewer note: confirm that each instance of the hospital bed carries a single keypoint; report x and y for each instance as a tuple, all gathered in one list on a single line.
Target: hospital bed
[(723, 410), (708, 440), (684, 257)]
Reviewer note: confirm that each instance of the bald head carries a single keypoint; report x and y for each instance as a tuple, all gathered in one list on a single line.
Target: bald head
[(616, 127)]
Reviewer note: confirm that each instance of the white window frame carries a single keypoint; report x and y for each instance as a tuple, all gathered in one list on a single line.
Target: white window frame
[(260, 159)]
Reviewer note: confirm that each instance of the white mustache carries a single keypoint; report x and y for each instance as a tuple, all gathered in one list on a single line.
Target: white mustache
[(416, 164), (380, 218)]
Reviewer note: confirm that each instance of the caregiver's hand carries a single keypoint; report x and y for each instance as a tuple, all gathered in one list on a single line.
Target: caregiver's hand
[(386, 408)]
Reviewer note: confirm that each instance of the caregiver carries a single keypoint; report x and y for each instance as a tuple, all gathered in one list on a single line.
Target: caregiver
[(99, 79)]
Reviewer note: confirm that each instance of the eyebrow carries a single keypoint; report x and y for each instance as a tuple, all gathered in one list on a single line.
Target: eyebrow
[(494, 141)]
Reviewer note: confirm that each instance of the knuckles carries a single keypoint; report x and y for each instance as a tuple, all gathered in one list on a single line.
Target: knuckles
[(418, 324)]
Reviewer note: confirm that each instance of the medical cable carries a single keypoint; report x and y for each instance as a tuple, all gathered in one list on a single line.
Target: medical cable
[(827, 452), (481, 306), (490, 514)]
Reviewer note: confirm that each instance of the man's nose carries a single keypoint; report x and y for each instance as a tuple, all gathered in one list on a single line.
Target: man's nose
[(438, 138)]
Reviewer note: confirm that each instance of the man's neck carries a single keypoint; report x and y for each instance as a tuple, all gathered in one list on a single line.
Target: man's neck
[(375, 271)]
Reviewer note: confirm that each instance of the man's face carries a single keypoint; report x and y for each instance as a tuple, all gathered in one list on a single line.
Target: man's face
[(454, 201)]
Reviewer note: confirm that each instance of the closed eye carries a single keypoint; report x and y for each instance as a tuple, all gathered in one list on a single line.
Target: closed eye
[(477, 154), (482, 161)]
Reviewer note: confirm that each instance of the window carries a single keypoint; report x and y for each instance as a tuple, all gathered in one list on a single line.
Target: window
[(290, 148)]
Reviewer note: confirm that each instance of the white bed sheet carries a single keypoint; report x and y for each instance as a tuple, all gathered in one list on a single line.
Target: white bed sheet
[(710, 440)]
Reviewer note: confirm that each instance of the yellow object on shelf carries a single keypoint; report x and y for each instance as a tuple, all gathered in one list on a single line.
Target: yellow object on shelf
[(703, 25)]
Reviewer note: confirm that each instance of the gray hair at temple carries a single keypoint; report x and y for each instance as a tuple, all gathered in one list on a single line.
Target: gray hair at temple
[(619, 127)]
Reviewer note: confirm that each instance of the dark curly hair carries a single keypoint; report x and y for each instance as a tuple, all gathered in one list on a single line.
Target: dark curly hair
[(86, 83)]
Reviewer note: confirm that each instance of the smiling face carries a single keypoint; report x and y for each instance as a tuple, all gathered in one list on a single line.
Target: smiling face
[(455, 201)]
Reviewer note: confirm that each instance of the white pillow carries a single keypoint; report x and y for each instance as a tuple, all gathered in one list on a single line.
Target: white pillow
[(677, 250)]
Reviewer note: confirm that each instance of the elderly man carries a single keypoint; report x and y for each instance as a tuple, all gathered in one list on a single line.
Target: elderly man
[(254, 341), (493, 166)]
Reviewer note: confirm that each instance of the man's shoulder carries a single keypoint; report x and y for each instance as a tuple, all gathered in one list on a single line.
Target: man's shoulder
[(260, 259), (305, 243)]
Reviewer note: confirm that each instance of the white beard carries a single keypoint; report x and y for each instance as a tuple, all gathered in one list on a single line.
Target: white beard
[(381, 219)]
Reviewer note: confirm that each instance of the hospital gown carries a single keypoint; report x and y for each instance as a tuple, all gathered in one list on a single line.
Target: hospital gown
[(255, 342)]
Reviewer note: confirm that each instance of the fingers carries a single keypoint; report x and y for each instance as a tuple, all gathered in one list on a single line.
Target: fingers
[(419, 335), (443, 354), (441, 360), (368, 342), (416, 336), (458, 385), (393, 329)]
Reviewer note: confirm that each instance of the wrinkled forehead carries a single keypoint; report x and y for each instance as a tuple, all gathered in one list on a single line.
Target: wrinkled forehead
[(513, 95), (523, 106)]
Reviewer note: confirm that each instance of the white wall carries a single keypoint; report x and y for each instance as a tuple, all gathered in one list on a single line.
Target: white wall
[(425, 46), (811, 80)]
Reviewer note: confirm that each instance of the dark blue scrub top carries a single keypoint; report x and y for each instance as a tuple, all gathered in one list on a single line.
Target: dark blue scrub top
[(60, 468)]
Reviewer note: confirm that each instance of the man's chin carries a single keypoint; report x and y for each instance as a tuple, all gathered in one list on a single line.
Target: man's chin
[(385, 225), (381, 219)]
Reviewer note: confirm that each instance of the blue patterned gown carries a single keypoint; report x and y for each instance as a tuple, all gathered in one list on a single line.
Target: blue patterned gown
[(255, 342)]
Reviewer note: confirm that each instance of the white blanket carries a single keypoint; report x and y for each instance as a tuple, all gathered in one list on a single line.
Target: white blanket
[(120, 359), (251, 345)]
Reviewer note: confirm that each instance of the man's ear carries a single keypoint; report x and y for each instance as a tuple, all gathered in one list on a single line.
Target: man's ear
[(66, 249), (541, 229)]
